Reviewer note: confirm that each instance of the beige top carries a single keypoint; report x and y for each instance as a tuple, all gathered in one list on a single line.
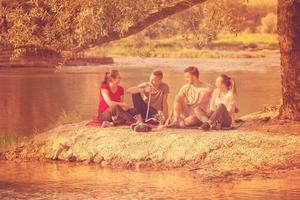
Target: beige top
[(228, 99), (156, 100), (197, 96)]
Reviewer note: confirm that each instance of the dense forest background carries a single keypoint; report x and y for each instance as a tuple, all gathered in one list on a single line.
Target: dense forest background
[(205, 31), (203, 23), (68, 25)]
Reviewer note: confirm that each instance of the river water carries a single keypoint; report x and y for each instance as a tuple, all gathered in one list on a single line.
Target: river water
[(33, 99), (38, 181)]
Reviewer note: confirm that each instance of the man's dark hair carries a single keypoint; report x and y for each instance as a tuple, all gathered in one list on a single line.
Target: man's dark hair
[(192, 70), (158, 73)]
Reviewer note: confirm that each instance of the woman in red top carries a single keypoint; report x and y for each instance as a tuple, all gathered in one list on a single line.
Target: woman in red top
[(111, 110)]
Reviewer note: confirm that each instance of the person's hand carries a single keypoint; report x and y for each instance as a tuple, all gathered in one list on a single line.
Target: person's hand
[(236, 110), (149, 88), (125, 106), (210, 113)]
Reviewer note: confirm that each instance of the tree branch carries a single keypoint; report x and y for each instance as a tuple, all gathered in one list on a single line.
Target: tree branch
[(138, 27)]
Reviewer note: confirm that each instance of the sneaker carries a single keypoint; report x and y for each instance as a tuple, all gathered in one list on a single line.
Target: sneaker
[(214, 125), (132, 126), (118, 122), (106, 124), (138, 118), (153, 121), (141, 127), (205, 126), (218, 126), (173, 124), (160, 117)]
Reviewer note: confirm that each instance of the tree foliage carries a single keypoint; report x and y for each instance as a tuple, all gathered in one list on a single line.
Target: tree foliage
[(62, 25), (268, 24), (211, 18)]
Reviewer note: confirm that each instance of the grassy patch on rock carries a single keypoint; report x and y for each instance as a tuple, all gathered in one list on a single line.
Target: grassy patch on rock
[(235, 152)]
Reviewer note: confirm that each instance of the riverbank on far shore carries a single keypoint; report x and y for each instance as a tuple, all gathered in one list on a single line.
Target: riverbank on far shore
[(241, 45), (47, 59)]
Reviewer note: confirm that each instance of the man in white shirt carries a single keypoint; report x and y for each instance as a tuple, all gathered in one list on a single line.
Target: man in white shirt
[(192, 101)]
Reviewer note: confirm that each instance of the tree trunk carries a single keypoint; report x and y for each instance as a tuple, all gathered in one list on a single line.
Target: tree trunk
[(289, 41)]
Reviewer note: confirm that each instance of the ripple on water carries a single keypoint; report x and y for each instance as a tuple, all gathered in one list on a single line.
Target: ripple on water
[(39, 181)]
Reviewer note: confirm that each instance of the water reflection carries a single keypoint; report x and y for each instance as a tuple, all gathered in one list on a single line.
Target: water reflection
[(34, 98), (65, 181)]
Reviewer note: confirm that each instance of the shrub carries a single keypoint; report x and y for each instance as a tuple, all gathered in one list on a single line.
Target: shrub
[(268, 24)]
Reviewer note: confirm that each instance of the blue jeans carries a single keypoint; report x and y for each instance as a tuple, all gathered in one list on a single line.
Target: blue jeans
[(222, 116), (140, 106), (118, 112)]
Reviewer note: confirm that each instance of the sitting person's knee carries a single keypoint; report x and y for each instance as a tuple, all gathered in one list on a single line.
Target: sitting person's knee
[(116, 107), (136, 95), (178, 99), (221, 106)]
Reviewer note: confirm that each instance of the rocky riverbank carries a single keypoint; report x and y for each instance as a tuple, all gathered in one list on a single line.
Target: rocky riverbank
[(238, 152), (7, 59)]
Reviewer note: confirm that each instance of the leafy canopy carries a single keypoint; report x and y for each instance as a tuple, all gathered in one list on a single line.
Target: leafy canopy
[(62, 25)]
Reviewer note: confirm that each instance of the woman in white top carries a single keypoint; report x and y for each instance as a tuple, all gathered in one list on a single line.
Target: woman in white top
[(223, 104)]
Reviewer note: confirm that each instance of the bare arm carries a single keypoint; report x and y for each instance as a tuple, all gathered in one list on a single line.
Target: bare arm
[(232, 107), (108, 100), (135, 89), (212, 104), (141, 88)]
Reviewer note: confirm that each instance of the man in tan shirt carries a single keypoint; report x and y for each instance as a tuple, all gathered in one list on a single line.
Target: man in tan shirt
[(191, 103)]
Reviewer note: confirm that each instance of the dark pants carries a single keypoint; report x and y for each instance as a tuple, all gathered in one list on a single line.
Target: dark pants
[(118, 112), (140, 106), (222, 116)]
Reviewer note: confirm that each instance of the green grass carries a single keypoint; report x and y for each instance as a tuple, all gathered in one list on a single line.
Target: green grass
[(65, 118), (181, 53), (248, 38), (233, 46), (9, 141)]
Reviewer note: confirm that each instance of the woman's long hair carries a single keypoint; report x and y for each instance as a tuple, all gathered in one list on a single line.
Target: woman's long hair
[(109, 76), (230, 83)]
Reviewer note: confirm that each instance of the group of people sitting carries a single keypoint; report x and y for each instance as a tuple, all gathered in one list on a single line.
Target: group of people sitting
[(197, 104)]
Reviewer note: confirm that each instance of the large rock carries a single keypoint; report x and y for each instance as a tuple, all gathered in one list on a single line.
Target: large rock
[(233, 151)]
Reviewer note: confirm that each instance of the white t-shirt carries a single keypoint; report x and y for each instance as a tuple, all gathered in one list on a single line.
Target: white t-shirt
[(228, 99), (197, 96)]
